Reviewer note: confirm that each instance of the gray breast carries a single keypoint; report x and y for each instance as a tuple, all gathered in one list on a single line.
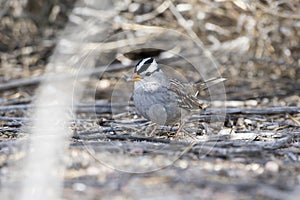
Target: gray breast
[(156, 103)]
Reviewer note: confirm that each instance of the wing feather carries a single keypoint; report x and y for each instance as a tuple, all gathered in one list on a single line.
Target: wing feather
[(186, 99)]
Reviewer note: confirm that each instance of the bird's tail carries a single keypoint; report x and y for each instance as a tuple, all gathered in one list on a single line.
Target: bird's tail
[(202, 85)]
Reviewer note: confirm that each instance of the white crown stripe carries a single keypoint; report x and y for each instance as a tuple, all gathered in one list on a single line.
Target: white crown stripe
[(145, 67)]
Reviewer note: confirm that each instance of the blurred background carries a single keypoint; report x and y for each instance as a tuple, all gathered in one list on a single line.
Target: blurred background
[(253, 44)]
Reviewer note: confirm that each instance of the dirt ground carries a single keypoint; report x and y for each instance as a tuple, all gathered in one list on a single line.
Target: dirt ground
[(250, 150)]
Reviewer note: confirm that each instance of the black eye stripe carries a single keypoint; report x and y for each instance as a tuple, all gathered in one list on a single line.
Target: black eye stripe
[(150, 73), (146, 63), (143, 68)]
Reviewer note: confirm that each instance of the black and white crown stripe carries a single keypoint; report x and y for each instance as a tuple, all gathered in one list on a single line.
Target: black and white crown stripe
[(147, 65)]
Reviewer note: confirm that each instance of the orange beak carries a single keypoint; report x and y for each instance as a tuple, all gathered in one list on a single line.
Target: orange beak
[(135, 77)]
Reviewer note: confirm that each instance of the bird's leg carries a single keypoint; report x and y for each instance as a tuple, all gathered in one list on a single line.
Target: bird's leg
[(179, 129), (153, 131)]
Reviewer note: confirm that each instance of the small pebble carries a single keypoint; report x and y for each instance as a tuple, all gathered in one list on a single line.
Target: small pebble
[(80, 187), (248, 121), (133, 7), (184, 7), (272, 166)]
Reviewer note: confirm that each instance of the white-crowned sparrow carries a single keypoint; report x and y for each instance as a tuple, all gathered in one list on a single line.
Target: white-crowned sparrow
[(162, 100)]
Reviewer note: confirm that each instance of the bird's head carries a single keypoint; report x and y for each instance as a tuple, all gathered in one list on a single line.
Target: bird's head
[(145, 68)]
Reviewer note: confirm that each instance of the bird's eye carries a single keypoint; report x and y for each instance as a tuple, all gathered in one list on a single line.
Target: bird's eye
[(148, 74)]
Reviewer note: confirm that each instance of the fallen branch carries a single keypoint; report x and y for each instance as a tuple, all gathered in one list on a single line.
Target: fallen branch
[(104, 107), (95, 71), (121, 137), (36, 80), (255, 111)]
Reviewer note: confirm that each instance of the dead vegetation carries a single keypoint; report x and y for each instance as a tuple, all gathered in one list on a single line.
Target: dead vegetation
[(254, 155)]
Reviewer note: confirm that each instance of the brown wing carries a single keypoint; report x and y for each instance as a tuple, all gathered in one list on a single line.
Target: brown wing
[(202, 85), (185, 97)]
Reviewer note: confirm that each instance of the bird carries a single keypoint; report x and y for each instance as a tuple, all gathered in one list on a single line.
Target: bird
[(160, 99)]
